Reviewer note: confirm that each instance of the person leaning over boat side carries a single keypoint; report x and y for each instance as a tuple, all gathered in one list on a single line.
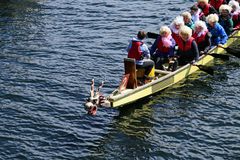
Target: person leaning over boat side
[(202, 37), (163, 47), (219, 35), (175, 26), (187, 18), (235, 13), (225, 19), (217, 3), (140, 52), (206, 8), (187, 49)]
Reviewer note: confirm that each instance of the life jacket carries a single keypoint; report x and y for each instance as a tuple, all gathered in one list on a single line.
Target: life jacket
[(206, 9), (162, 48), (135, 51), (176, 37), (236, 19), (216, 4), (201, 38), (185, 46)]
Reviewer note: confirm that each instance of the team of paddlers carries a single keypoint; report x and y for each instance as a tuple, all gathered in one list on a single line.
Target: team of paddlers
[(190, 35)]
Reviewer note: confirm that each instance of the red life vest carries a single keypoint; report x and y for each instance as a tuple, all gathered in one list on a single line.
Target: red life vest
[(205, 10), (162, 48), (216, 4), (236, 20), (176, 37), (185, 46), (135, 51), (201, 38)]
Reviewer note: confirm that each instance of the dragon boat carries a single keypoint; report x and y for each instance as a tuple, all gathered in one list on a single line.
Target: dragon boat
[(130, 90)]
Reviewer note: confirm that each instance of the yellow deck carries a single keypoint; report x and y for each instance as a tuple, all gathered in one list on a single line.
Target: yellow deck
[(131, 95)]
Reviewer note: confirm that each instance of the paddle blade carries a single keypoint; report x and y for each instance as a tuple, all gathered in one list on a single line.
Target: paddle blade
[(221, 56), (206, 69), (152, 35), (233, 52)]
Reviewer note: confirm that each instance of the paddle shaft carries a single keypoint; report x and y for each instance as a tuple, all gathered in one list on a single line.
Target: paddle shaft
[(152, 35)]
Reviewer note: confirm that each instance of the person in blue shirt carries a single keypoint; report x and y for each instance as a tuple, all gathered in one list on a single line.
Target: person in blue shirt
[(219, 35), (163, 47), (139, 51)]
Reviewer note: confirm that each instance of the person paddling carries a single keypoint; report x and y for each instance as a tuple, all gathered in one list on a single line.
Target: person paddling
[(163, 47), (187, 18), (197, 14), (219, 35), (225, 19), (175, 26), (235, 13), (140, 52), (202, 37), (206, 8), (187, 49), (217, 3)]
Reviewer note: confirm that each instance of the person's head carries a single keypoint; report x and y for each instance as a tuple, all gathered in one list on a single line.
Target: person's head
[(194, 10), (225, 10), (165, 31), (200, 26), (185, 33), (141, 35), (234, 5), (178, 22), (212, 19), (186, 17), (202, 3)]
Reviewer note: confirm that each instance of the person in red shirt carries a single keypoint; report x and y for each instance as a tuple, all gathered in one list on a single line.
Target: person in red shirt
[(217, 3), (206, 8)]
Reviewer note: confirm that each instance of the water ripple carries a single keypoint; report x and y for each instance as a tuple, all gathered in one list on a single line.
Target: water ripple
[(50, 51)]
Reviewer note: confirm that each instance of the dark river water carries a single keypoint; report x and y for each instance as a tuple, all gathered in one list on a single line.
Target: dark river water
[(49, 52)]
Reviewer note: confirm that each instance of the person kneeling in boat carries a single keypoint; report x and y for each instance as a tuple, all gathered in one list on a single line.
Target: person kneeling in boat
[(219, 35), (187, 48), (140, 52), (202, 37), (163, 47)]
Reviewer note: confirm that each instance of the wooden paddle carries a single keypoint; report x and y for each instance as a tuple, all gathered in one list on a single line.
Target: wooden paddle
[(231, 51)]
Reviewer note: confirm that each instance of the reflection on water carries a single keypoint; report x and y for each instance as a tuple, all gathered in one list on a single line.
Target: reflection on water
[(133, 120)]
